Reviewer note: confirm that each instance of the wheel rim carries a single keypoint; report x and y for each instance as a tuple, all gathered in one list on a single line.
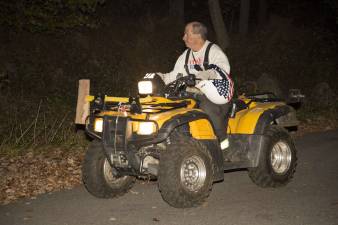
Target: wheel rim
[(281, 157), (108, 174), (193, 173)]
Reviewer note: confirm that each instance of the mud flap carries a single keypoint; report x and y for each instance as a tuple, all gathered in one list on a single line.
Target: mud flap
[(257, 143), (217, 158), (244, 151)]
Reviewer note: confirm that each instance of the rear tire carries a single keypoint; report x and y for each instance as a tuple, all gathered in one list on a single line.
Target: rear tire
[(278, 159), (97, 175), (186, 172)]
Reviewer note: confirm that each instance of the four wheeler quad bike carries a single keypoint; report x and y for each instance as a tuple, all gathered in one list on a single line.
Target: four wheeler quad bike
[(165, 136)]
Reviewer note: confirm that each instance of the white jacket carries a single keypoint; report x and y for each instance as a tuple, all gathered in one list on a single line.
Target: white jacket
[(216, 57)]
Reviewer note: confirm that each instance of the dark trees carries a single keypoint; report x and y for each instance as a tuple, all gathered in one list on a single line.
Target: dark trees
[(176, 11), (218, 23), (244, 17)]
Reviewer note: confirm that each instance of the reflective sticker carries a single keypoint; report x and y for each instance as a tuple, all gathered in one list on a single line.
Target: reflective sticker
[(149, 75)]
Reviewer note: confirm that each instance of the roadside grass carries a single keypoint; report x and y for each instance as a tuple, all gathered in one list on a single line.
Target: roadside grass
[(44, 130), (33, 128)]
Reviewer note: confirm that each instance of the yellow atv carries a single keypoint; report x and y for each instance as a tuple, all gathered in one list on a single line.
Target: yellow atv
[(163, 135)]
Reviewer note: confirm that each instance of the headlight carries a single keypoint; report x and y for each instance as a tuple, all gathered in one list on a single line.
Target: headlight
[(146, 128), (145, 87), (98, 124)]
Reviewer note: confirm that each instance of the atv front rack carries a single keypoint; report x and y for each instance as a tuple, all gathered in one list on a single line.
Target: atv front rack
[(136, 105)]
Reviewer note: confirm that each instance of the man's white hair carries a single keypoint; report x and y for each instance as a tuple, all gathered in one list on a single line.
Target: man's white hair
[(199, 28)]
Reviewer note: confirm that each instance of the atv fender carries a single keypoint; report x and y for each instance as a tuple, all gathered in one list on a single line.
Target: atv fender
[(192, 117), (283, 115), (170, 125), (246, 149)]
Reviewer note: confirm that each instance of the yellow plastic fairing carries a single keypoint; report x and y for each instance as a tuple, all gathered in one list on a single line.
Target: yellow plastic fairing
[(201, 129), (246, 120)]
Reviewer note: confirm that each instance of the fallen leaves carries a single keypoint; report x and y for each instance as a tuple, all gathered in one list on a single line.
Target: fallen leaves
[(36, 173), (319, 124)]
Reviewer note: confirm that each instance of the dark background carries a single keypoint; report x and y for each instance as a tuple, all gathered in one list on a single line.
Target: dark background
[(47, 46)]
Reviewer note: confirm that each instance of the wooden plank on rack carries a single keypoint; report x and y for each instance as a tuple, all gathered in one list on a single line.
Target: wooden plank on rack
[(82, 108)]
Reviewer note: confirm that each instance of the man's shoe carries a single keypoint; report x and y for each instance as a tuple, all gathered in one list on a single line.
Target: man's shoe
[(225, 144)]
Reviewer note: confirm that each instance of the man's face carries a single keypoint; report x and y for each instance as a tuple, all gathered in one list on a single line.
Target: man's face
[(189, 37)]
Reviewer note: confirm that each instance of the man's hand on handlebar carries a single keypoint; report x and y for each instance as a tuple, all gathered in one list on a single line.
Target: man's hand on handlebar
[(190, 80)]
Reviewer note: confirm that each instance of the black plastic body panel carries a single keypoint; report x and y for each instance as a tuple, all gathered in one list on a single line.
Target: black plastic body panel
[(217, 158), (244, 151)]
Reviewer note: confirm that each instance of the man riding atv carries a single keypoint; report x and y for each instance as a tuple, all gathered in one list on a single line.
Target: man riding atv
[(208, 63), (164, 134)]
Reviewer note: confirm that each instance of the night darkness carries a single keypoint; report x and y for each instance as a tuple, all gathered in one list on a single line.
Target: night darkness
[(293, 41), (46, 47)]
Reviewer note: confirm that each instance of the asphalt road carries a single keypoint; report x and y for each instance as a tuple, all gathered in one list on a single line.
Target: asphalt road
[(310, 199)]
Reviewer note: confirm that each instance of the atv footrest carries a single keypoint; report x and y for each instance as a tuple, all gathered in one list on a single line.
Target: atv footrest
[(236, 165)]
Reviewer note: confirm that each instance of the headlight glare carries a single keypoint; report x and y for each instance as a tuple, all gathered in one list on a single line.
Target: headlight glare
[(146, 128), (145, 87), (98, 125)]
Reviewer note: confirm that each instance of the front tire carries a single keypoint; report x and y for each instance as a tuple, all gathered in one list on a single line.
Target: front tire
[(278, 159), (186, 172), (97, 175)]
